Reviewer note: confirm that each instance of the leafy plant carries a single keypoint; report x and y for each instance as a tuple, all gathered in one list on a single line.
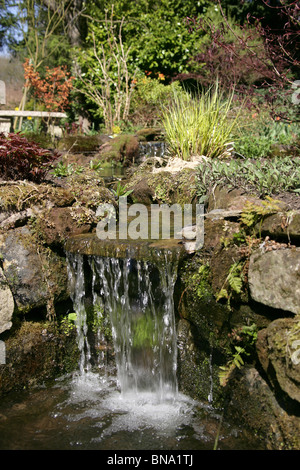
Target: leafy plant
[(96, 165), (258, 139), (23, 159), (233, 283), (199, 126), (68, 323), (121, 191), (53, 90), (107, 82), (264, 177), (64, 170), (247, 336), (255, 213)]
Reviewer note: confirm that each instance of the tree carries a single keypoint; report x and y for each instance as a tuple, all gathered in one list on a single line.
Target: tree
[(105, 78), (254, 52), (155, 30)]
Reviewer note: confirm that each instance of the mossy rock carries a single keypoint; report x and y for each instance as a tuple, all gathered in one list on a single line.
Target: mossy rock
[(278, 349), (36, 275), (123, 148), (36, 352), (150, 134), (17, 197), (81, 143), (43, 139), (163, 186)]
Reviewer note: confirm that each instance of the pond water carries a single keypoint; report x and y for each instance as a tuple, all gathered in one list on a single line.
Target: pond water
[(88, 412)]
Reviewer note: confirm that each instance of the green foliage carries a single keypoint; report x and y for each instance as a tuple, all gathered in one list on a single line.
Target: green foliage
[(200, 125), (247, 337), (150, 94), (121, 191), (263, 177), (156, 30), (259, 140), (68, 324), (199, 282), (255, 213), (64, 170), (196, 278), (233, 283)]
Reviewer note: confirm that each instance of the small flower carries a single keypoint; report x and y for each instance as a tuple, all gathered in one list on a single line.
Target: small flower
[(16, 109), (29, 118)]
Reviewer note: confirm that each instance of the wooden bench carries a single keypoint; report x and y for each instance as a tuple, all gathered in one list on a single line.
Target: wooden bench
[(7, 117)]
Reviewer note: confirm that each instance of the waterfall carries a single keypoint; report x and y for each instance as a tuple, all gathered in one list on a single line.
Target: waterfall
[(137, 297), (151, 149)]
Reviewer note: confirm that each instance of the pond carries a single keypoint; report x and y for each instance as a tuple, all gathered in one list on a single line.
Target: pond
[(90, 413)]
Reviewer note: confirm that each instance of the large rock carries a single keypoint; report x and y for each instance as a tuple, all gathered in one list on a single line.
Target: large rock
[(6, 304), (251, 401), (58, 223), (278, 348), (274, 278), (282, 225), (35, 275)]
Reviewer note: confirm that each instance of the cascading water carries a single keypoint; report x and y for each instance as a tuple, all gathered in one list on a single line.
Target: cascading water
[(151, 149), (141, 409), (137, 297)]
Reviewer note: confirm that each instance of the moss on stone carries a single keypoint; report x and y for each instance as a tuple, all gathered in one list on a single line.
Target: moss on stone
[(36, 352)]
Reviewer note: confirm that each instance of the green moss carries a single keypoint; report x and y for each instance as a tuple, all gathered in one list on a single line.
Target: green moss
[(80, 143), (123, 148), (196, 279)]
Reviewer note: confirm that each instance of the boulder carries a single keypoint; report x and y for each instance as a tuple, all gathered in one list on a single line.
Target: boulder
[(278, 349), (6, 304), (34, 274), (58, 223), (229, 199), (282, 225), (274, 278), (252, 402)]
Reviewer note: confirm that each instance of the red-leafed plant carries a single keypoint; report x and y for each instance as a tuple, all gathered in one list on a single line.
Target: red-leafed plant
[(21, 159), (53, 90)]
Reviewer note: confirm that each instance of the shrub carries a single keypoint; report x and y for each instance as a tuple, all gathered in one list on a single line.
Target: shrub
[(199, 126), (22, 159)]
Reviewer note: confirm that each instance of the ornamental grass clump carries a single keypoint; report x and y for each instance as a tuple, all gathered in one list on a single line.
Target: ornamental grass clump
[(21, 159), (199, 125)]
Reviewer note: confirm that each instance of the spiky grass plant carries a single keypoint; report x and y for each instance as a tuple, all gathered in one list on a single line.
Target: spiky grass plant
[(199, 125)]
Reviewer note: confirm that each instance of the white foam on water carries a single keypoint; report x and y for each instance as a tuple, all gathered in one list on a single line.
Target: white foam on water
[(146, 410)]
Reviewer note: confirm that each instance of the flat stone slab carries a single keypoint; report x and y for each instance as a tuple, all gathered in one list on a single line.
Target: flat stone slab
[(90, 244)]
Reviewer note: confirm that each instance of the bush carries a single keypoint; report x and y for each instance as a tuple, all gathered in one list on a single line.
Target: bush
[(22, 159), (199, 126)]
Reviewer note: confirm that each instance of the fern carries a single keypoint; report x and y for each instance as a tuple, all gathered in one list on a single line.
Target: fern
[(254, 213), (233, 282), (236, 362)]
